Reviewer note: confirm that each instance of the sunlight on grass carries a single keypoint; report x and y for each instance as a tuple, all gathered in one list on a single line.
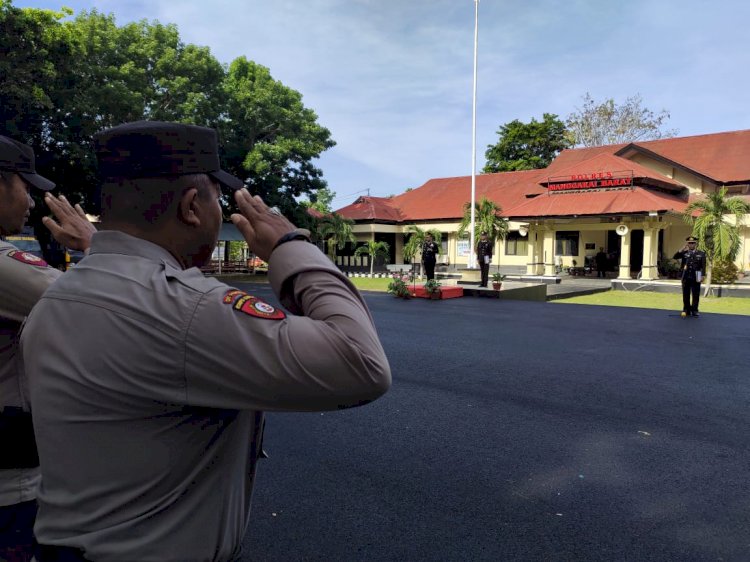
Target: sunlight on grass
[(665, 301)]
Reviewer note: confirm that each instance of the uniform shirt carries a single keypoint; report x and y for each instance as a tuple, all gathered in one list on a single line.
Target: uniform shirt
[(691, 262), (429, 251), (484, 248), (146, 393), (23, 279)]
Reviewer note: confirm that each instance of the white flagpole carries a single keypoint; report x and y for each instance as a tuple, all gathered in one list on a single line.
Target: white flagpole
[(472, 260)]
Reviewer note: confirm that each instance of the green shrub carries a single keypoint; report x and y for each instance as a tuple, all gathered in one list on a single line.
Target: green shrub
[(724, 273)]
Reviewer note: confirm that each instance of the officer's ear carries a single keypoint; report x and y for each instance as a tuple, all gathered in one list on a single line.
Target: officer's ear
[(190, 208)]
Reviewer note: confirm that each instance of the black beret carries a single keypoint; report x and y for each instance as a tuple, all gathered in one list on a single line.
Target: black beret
[(155, 148), (18, 157)]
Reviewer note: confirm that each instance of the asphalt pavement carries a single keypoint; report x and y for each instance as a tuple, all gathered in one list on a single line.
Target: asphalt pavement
[(522, 431)]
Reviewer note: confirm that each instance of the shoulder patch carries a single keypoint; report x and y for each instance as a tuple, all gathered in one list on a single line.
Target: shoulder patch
[(27, 258), (232, 295), (253, 306), (256, 307)]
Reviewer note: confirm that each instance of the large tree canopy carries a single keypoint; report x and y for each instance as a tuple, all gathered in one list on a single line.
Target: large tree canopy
[(597, 124), (527, 146), (62, 79)]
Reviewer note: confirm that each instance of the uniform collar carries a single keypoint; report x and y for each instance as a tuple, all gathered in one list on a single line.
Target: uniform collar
[(116, 242)]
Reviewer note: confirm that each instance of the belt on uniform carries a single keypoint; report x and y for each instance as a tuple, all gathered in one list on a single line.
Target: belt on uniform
[(46, 553), (17, 439)]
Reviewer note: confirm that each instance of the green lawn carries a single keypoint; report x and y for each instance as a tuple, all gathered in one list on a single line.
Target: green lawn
[(666, 301)]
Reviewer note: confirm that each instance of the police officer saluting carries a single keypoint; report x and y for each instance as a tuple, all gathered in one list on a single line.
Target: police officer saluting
[(148, 415), (430, 252), (692, 266), (23, 278)]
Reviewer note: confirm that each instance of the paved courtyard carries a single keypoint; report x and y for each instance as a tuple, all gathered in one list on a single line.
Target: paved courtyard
[(522, 431)]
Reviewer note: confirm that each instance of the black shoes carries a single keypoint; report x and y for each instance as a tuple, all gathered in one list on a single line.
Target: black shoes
[(695, 314)]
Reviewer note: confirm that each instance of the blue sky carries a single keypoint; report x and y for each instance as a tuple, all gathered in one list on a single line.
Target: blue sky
[(392, 79)]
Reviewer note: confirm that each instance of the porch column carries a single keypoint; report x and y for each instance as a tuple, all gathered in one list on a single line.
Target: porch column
[(399, 256), (549, 252), (535, 263), (624, 256), (649, 269)]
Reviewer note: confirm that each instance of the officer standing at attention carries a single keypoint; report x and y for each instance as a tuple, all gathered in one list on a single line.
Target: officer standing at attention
[(149, 388), (692, 265), (484, 257), (430, 252), (23, 278)]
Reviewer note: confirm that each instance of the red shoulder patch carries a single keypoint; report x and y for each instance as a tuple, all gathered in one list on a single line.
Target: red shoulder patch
[(27, 258), (256, 307), (232, 295)]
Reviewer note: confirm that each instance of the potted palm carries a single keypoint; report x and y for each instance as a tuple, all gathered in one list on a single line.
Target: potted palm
[(497, 280), (432, 288)]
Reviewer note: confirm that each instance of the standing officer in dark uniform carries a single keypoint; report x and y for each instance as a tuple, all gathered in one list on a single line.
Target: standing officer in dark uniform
[(692, 265), (430, 251), (484, 257), (23, 279), (149, 412)]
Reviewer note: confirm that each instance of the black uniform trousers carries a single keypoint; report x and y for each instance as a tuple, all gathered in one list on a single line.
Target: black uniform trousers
[(429, 268), (484, 268), (16, 531), (690, 287)]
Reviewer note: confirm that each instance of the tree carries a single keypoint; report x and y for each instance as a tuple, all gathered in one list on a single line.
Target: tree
[(527, 146), (487, 218), (717, 236), (321, 200), (374, 250), (336, 231), (597, 124), (62, 80), (270, 138)]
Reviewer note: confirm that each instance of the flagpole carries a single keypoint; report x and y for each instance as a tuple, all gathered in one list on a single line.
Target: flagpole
[(472, 260)]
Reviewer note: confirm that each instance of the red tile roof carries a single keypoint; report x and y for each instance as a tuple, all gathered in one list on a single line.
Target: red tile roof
[(602, 202), (372, 208), (444, 198), (604, 162), (723, 157)]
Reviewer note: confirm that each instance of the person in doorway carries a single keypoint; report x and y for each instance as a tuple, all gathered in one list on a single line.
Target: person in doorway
[(149, 413), (430, 251), (601, 263), (692, 266), (484, 257)]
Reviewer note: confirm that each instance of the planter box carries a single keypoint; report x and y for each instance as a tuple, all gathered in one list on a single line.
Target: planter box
[(445, 292)]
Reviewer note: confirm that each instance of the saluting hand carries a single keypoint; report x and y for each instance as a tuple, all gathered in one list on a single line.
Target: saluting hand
[(73, 230), (260, 225)]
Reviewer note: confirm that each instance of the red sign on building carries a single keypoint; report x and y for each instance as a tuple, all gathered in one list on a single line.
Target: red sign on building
[(594, 180)]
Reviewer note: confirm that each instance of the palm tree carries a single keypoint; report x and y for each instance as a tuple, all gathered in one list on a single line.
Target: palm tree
[(487, 218), (717, 236), (336, 231), (416, 238), (374, 250)]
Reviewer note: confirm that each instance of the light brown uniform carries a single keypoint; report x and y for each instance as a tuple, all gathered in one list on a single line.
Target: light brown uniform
[(147, 393), (21, 285)]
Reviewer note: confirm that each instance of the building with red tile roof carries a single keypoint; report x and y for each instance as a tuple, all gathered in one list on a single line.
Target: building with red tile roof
[(574, 206)]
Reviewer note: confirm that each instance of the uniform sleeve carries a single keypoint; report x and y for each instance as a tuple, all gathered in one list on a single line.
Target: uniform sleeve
[(241, 353), (22, 284), (678, 255)]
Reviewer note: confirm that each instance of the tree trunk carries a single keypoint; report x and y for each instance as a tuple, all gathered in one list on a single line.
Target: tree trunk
[(372, 264), (709, 271)]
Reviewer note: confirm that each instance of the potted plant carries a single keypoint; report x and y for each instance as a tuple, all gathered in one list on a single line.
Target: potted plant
[(432, 288), (497, 281), (398, 287)]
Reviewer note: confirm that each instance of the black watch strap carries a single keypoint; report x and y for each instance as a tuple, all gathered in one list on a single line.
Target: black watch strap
[(288, 237)]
